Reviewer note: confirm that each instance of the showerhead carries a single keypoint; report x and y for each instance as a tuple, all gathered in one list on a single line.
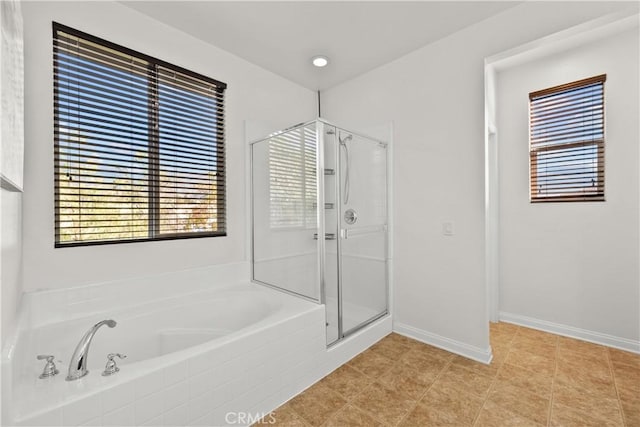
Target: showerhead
[(345, 139)]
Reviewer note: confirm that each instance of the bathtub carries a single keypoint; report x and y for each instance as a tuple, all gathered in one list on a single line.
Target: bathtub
[(221, 354)]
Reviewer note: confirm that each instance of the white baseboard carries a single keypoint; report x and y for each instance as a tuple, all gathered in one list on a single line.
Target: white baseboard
[(453, 346), (572, 332)]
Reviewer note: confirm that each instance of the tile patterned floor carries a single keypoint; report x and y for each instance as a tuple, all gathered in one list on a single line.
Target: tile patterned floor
[(535, 379)]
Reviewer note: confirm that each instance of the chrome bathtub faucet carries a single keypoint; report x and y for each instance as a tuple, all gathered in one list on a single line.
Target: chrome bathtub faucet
[(78, 364)]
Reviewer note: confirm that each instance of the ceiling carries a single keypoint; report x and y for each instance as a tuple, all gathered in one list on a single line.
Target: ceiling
[(282, 37)]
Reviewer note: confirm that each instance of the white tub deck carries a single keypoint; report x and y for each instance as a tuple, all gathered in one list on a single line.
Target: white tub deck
[(193, 356)]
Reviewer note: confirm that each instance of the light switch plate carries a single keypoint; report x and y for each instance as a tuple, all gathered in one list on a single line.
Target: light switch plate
[(447, 228)]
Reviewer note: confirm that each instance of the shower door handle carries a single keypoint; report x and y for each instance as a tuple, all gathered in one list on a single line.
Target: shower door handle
[(347, 233), (327, 236)]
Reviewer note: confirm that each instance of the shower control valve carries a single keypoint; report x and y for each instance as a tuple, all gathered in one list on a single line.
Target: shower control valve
[(350, 216)]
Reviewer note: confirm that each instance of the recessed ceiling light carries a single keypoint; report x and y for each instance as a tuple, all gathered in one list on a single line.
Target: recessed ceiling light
[(320, 61)]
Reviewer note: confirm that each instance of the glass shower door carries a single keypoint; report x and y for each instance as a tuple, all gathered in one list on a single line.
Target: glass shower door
[(362, 245), (285, 216)]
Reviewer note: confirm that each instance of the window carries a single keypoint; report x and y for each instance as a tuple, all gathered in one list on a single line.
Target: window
[(566, 142), (139, 146), (292, 179)]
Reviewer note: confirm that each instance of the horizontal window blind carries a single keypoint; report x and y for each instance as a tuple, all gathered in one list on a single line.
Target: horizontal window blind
[(292, 178), (139, 146), (566, 142)]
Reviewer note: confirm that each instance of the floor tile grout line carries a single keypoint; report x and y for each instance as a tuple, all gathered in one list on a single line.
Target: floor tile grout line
[(335, 412), (413, 406), (581, 388), (615, 386), (495, 378), (424, 393), (553, 383), (373, 381), (486, 398), (395, 363), (314, 385), (304, 420), (511, 343), (448, 363), (349, 401), (330, 416)]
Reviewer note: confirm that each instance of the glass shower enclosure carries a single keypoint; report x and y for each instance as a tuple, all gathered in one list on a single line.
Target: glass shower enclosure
[(319, 221)]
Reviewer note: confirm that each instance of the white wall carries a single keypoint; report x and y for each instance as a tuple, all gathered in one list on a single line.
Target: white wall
[(252, 94), (11, 164), (574, 264), (435, 97), (11, 256)]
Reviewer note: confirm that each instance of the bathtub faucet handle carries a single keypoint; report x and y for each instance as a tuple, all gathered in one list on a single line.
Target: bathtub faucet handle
[(50, 368), (111, 367)]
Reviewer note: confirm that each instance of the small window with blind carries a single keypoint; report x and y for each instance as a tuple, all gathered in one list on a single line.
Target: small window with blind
[(139, 146), (292, 179), (566, 142)]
